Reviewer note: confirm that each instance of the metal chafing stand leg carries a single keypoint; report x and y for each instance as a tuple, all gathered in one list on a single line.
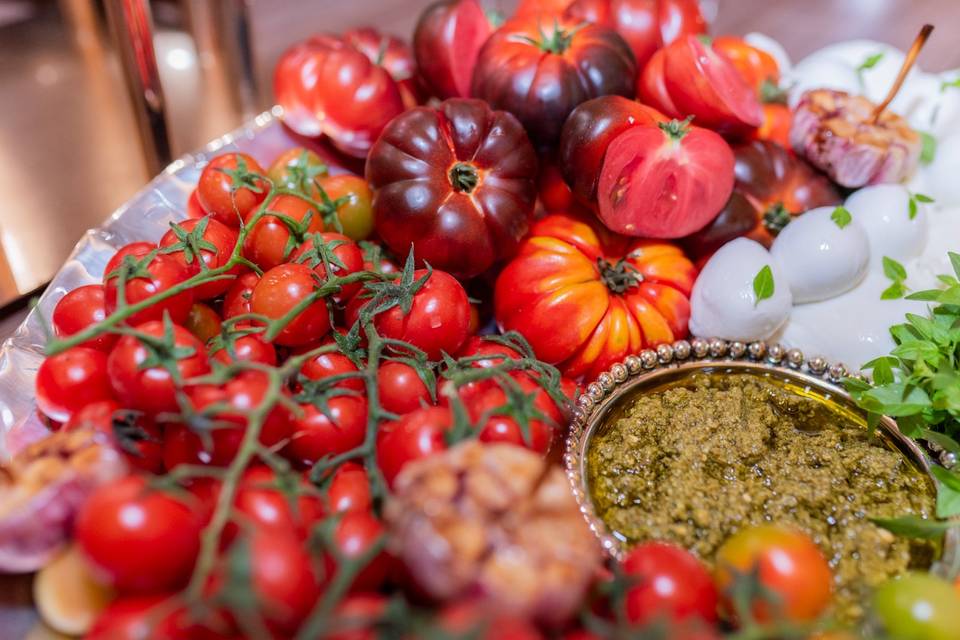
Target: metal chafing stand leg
[(132, 29)]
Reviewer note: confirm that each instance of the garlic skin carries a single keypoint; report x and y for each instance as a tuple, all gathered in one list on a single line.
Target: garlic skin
[(723, 304), (883, 211)]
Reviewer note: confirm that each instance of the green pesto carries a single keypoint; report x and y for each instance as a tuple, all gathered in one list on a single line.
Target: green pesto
[(697, 459)]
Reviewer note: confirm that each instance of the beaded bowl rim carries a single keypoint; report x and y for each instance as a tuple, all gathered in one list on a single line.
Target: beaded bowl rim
[(699, 353)]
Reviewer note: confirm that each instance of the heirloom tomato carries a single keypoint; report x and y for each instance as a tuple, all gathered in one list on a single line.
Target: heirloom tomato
[(458, 183), (540, 68), (588, 132), (527, 8), (202, 239), (231, 186), (71, 379), (585, 298), (328, 87), (80, 308), (771, 185), (145, 278), (139, 539), (355, 212), (394, 55), (286, 220), (646, 25), (652, 88), (664, 181), (279, 292), (670, 583), (446, 42), (788, 566)]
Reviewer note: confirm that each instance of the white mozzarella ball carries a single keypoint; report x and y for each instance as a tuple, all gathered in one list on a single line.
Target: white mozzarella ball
[(723, 303), (883, 210), (942, 175), (819, 259)]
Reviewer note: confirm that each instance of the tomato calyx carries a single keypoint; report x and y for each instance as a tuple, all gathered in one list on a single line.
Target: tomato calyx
[(776, 218), (132, 268), (557, 41), (464, 177), (242, 177), (128, 432), (191, 243), (772, 93), (676, 129), (619, 276), (163, 352), (386, 294)]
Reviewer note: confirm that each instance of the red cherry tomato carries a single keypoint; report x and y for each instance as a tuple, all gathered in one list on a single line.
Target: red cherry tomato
[(400, 388), (137, 436), (154, 617), (138, 539), (79, 309), (540, 68), (327, 87), (159, 274), (485, 402), (392, 54), (355, 212), (270, 241), (789, 565), (353, 536), (357, 615), (70, 380), (203, 322), (671, 584), (415, 435), (263, 501), (247, 348), (194, 236), (327, 365), (279, 291), (438, 320), (342, 249), (194, 208), (349, 489), (151, 389), (134, 250), (316, 435), (447, 40), (666, 181), (231, 186), (473, 619), (477, 346), (236, 302)]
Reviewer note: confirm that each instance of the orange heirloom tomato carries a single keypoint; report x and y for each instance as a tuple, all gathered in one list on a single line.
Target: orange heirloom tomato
[(754, 65), (586, 298), (777, 119)]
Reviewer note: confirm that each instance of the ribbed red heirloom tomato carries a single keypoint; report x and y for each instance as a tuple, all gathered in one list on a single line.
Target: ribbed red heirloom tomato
[(394, 55), (585, 298), (457, 182), (646, 25), (326, 86), (540, 68), (449, 35), (589, 131)]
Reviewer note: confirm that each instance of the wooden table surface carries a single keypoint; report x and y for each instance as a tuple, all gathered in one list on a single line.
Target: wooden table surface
[(64, 170)]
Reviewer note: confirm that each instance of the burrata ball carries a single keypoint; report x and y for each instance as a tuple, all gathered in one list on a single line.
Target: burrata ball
[(723, 303), (942, 175), (883, 211), (821, 72), (819, 258)]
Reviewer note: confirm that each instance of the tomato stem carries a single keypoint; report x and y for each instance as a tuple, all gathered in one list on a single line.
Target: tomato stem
[(676, 129), (464, 177), (776, 218), (619, 277)]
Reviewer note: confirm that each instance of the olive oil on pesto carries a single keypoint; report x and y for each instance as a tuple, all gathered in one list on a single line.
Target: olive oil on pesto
[(700, 458)]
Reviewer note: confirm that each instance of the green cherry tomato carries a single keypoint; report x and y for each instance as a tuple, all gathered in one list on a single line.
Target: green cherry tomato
[(356, 213), (918, 606)]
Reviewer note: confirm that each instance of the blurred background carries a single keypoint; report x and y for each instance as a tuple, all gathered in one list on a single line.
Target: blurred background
[(70, 145)]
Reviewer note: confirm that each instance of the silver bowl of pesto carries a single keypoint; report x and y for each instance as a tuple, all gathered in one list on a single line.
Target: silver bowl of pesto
[(694, 441)]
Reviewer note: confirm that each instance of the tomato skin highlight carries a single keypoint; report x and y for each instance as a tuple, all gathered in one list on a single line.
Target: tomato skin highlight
[(70, 380), (138, 539)]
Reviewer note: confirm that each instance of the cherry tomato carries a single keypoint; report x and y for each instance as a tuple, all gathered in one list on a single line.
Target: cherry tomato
[(341, 250), (213, 241), (400, 388), (789, 564), (194, 208), (917, 606), (540, 68), (231, 186), (447, 41), (270, 240), (463, 195), (316, 434), (237, 300), (151, 389), (279, 291), (356, 617), (439, 317), (353, 536), (671, 584), (777, 120), (327, 87), (247, 348), (134, 250), (355, 212), (70, 380), (349, 489), (159, 274), (269, 503), (327, 365), (297, 169), (137, 436), (138, 539), (153, 617), (79, 309), (477, 346), (489, 406), (203, 322), (664, 181), (415, 435)]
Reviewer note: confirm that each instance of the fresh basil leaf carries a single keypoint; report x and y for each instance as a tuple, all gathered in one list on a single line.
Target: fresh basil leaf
[(893, 292), (955, 83), (899, 399), (929, 149), (928, 295), (841, 216), (763, 285), (893, 269), (915, 527), (919, 197), (955, 262), (948, 492), (870, 62)]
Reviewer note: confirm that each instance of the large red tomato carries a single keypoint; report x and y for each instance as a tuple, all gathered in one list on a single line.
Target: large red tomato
[(585, 299), (446, 42), (458, 183), (664, 181), (394, 55), (540, 69), (589, 131), (327, 87), (139, 539), (646, 25)]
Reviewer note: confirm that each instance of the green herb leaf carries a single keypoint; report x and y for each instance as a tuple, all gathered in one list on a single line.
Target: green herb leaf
[(948, 492), (929, 149), (763, 285), (919, 197), (955, 84), (841, 216), (955, 262), (915, 527), (893, 292), (870, 62), (893, 269)]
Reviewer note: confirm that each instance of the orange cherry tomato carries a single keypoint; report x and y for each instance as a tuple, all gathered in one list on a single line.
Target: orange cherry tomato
[(754, 65), (777, 119)]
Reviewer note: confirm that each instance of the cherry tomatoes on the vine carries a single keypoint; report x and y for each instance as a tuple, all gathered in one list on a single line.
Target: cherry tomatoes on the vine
[(237, 300), (355, 211), (274, 236), (317, 434), (79, 309), (146, 277), (267, 502), (70, 380), (344, 255), (134, 250), (415, 435), (231, 186), (139, 437), (327, 365), (400, 388), (207, 238), (349, 489), (280, 291)]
